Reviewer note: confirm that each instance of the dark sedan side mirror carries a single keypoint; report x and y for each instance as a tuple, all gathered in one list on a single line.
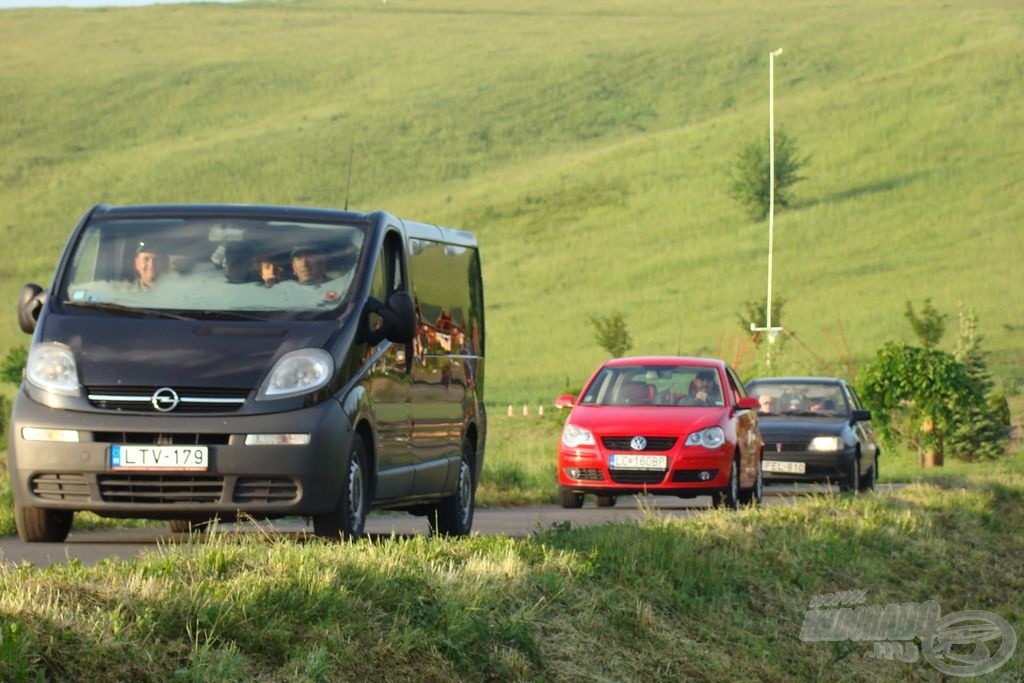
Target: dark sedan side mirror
[(30, 305), (860, 416)]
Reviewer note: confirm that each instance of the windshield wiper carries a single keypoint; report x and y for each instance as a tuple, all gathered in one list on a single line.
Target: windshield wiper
[(127, 310), (220, 315)]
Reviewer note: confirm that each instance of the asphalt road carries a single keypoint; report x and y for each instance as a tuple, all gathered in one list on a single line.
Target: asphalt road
[(91, 547)]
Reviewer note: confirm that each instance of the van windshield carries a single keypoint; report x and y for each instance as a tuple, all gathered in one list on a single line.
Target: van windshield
[(190, 264)]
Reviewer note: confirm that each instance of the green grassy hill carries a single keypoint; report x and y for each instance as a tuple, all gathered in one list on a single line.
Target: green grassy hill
[(587, 145)]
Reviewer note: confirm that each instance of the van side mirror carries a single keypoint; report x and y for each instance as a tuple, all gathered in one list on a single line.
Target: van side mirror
[(397, 319), (30, 305), (860, 416)]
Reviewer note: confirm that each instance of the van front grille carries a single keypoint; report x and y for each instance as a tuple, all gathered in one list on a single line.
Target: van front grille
[(267, 490), (160, 489), (69, 487), (189, 400), (161, 438)]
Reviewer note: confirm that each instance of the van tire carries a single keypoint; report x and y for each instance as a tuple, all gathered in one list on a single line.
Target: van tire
[(348, 520), (41, 525), (605, 501), (186, 526), (453, 516)]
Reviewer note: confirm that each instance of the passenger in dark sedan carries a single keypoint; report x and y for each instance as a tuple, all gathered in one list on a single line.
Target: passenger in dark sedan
[(147, 266)]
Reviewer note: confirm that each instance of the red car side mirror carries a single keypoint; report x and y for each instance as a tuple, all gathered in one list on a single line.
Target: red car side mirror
[(747, 403), (565, 401)]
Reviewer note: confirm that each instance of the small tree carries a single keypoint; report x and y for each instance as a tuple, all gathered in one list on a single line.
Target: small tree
[(921, 396), (751, 174), (611, 334), (929, 326)]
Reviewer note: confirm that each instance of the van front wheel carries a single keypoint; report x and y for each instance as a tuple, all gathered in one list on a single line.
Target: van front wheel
[(40, 525), (348, 519), (453, 516)]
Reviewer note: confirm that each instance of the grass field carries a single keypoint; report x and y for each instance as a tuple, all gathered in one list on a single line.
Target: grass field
[(720, 595), (588, 148)]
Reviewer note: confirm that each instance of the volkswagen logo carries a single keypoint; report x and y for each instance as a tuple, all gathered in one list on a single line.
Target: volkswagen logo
[(165, 399), (638, 443)]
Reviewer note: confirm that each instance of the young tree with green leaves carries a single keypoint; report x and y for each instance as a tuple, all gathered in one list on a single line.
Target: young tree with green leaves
[(929, 326), (751, 173), (611, 334)]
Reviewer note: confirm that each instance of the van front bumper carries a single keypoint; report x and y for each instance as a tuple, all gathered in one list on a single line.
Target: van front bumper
[(258, 480)]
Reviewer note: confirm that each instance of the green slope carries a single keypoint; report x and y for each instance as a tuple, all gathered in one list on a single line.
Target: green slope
[(587, 145)]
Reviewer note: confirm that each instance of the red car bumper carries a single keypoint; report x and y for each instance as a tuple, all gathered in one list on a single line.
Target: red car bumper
[(687, 471)]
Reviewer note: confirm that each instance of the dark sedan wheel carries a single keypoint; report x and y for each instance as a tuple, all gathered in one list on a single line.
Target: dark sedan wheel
[(867, 482), (730, 496), (348, 519), (454, 515), (605, 501), (40, 525), (569, 499), (851, 482)]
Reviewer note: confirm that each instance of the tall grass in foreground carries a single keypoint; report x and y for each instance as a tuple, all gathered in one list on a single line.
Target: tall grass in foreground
[(713, 597)]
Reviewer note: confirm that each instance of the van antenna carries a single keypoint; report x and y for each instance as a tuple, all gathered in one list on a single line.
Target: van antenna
[(348, 182)]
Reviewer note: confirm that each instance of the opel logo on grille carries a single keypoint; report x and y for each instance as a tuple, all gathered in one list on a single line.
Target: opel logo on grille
[(638, 443), (165, 399)]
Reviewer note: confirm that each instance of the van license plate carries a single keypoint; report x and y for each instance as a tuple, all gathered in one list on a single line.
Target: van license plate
[(159, 457), (626, 461)]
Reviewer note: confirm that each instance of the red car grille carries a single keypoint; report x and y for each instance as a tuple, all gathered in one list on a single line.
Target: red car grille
[(637, 476), (654, 443)]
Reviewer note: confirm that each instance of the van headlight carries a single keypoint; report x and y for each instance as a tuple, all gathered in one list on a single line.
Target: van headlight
[(51, 367), (296, 373)]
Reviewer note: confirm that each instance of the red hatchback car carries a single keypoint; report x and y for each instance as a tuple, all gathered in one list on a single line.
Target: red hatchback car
[(662, 425)]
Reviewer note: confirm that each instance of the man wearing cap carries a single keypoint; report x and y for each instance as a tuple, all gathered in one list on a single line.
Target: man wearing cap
[(308, 266), (147, 266)]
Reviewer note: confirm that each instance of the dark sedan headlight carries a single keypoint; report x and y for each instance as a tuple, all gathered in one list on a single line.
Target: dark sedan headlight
[(826, 443)]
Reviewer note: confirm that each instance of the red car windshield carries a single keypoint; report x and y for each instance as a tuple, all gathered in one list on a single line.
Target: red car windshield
[(655, 385)]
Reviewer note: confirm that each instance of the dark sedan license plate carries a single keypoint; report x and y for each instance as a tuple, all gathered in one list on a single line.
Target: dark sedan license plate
[(627, 461), (783, 467), (159, 457)]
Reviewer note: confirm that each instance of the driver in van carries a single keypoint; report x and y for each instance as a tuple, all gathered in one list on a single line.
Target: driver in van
[(309, 266)]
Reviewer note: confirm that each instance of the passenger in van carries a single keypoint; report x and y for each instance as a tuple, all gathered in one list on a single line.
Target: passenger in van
[(148, 266), (271, 269), (309, 266)]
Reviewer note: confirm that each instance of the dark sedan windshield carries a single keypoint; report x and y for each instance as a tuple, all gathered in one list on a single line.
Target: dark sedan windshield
[(202, 266), (811, 399)]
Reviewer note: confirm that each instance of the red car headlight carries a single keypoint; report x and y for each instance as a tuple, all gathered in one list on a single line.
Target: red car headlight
[(573, 436), (709, 438)]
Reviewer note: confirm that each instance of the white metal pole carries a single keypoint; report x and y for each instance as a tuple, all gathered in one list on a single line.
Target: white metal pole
[(771, 182)]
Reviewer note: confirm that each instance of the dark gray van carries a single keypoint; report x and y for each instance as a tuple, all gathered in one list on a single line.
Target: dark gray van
[(193, 362)]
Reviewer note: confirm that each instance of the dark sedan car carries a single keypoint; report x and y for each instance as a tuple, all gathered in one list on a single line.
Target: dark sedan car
[(815, 429)]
